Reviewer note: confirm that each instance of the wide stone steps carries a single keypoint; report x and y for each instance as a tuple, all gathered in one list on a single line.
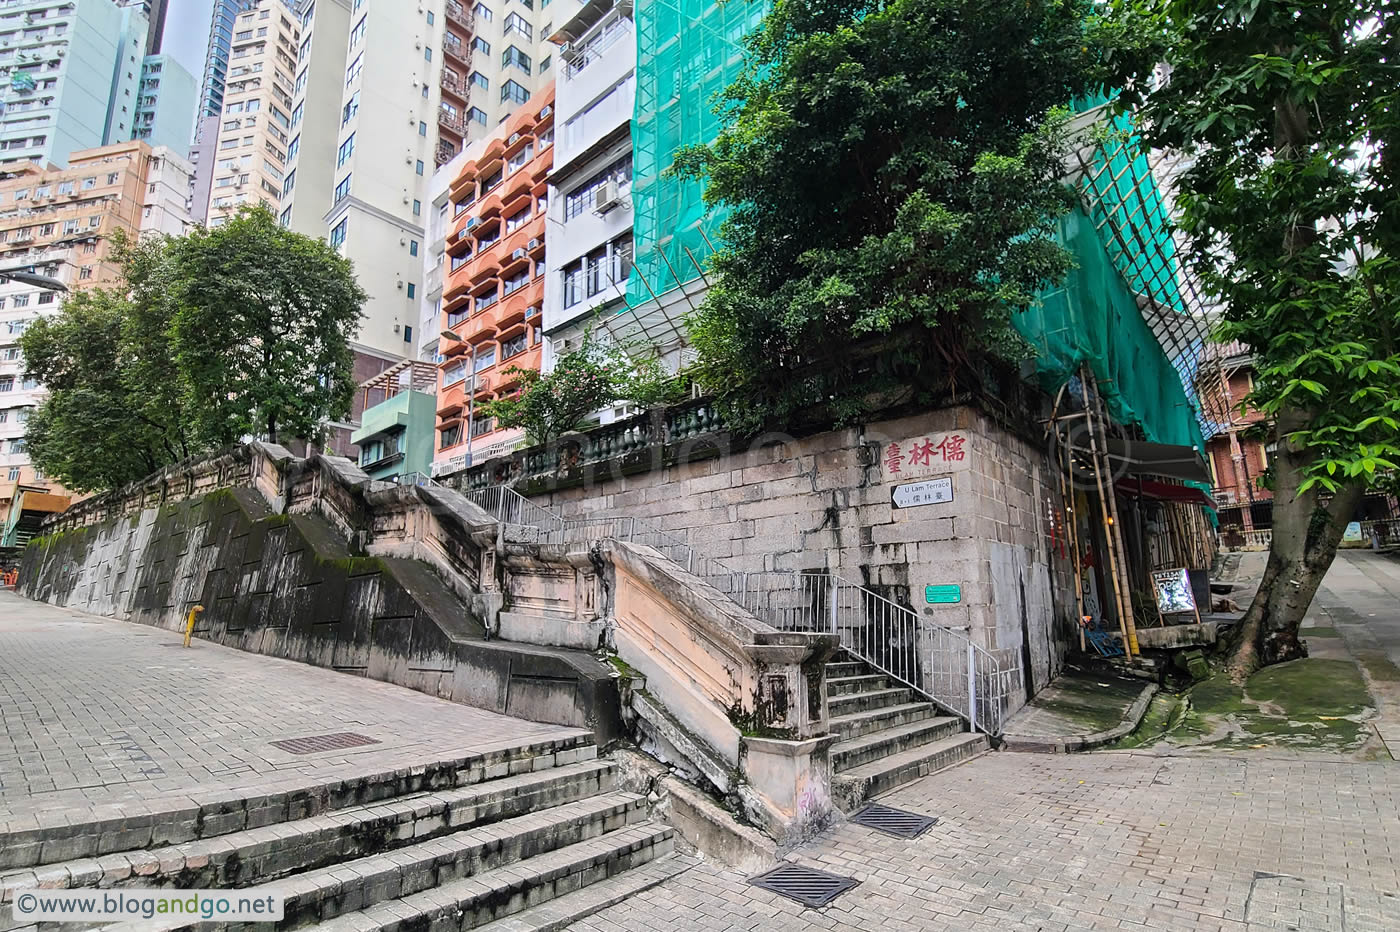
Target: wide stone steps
[(496, 894), (890, 741), (333, 891), (269, 852), (846, 727), (887, 736), (463, 841), (852, 703), (562, 912), (852, 787)]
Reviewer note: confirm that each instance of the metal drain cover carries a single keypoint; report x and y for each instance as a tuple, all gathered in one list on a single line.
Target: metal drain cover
[(317, 743), (806, 885), (895, 822)]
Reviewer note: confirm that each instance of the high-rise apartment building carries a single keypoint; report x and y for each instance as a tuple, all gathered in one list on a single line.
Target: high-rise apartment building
[(256, 121), (495, 280), (219, 47), (70, 73), (590, 204), (317, 115), (165, 104), (60, 222)]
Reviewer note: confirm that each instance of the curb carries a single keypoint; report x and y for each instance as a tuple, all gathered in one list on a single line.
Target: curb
[(1069, 744)]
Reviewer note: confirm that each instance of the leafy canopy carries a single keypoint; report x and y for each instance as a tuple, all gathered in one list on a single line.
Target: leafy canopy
[(893, 173), (206, 338), (1287, 115), (262, 328)]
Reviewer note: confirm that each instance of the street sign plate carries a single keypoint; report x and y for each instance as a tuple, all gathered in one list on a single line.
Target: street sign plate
[(942, 595), (929, 492)]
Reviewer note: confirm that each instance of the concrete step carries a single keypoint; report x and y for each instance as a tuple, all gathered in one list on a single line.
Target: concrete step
[(563, 911), (60, 835), (846, 685), (842, 668), (852, 787), (269, 852), (496, 894), (889, 741), (861, 723), (851, 703), (333, 891)]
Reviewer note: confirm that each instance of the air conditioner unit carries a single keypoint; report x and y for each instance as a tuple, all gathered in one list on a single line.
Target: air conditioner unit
[(546, 111), (518, 254), (606, 198), (514, 138), (532, 244), (473, 222)]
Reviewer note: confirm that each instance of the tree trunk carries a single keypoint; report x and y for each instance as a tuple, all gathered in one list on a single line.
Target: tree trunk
[(1304, 543)]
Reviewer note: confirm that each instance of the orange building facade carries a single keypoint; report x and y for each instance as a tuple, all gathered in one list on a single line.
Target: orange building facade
[(493, 293)]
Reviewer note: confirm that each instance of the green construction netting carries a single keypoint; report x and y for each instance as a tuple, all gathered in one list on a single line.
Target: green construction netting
[(1093, 319), (690, 50)]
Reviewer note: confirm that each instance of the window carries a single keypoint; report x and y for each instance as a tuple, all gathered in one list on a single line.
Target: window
[(431, 20), (573, 283), (513, 56), (514, 92), (290, 183), (483, 301), (480, 80), (518, 160), (481, 45), (412, 290), (347, 149), (14, 473), (408, 329), (517, 281), (483, 425), (7, 383), (593, 276), (457, 372), (46, 297), (417, 208), (517, 220), (484, 359), (85, 273), (352, 107), (355, 68), (513, 347), (450, 436), (65, 187), (483, 12), (413, 247), (428, 53), (517, 24), (419, 167), (422, 128), (581, 198), (342, 190), (491, 182), (358, 33), (21, 300), (477, 114), (339, 232), (544, 64)]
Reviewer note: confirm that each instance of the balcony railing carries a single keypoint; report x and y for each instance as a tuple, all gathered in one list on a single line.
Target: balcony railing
[(460, 15)]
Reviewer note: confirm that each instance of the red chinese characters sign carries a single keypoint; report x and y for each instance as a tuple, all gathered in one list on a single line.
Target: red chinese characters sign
[(921, 456)]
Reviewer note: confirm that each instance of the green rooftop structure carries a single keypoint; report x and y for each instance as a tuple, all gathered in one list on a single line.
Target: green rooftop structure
[(395, 435)]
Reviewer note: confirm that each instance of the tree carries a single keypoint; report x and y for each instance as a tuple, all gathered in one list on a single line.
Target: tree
[(893, 174), (1287, 115), (262, 329), (594, 375), (113, 412)]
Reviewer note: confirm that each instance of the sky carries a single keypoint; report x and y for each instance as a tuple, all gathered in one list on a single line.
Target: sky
[(187, 33)]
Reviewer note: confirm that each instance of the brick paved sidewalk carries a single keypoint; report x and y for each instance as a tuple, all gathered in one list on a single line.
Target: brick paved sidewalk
[(95, 711), (1092, 841)]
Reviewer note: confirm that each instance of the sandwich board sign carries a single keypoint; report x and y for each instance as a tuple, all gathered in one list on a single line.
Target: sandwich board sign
[(1173, 590)]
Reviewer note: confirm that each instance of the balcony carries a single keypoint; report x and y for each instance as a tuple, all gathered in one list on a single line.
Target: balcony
[(445, 153), (451, 121), (453, 84), (458, 52), (457, 13)]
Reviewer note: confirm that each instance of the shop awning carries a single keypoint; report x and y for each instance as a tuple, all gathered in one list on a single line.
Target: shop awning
[(1137, 457), (1163, 491)]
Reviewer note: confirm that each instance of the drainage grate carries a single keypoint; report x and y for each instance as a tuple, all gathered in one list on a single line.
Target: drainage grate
[(806, 885), (895, 822), (316, 743)]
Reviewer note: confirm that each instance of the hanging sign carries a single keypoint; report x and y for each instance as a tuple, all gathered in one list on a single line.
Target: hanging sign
[(942, 595), (1173, 589), (932, 492), (1353, 532)]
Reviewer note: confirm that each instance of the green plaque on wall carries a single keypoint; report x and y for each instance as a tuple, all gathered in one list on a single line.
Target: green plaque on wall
[(942, 595)]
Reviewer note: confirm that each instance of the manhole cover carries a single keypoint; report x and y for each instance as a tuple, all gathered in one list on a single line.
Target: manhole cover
[(895, 822), (316, 743), (806, 885)]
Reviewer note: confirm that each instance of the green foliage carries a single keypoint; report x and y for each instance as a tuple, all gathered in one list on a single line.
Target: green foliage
[(893, 169), (582, 381), (262, 329), (207, 337), (1287, 112)]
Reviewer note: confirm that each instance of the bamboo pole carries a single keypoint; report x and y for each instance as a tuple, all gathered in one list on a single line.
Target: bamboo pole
[(1109, 508), (1072, 535)]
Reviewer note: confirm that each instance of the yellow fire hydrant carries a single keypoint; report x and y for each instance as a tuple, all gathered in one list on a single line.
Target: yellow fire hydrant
[(189, 623)]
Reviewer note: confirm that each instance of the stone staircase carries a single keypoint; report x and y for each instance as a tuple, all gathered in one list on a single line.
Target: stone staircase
[(886, 735), (526, 838)]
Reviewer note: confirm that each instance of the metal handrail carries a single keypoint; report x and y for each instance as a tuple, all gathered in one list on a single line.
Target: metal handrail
[(942, 663)]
